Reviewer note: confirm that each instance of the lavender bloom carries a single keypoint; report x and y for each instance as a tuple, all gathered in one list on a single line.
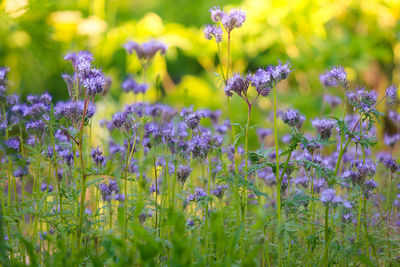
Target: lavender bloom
[(238, 84), (369, 185), (361, 98), (213, 32), (234, 19), (13, 143), (94, 82), (262, 133), (333, 101), (105, 192), (216, 14), (192, 120), (131, 85), (97, 156), (391, 94), (120, 197), (324, 127), (200, 146), (145, 51), (334, 76), (21, 171), (392, 165), (183, 173), (219, 191), (44, 187), (328, 196), (391, 140), (73, 110), (292, 118)]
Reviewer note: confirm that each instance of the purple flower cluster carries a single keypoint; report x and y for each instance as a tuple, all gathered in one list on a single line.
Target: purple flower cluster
[(219, 191), (108, 190), (361, 98), (3, 80), (329, 197), (130, 85), (145, 51), (293, 118), (324, 127), (334, 77), (97, 156), (392, 93), (92, 79), (211, 32), (333, 101), (183, 173), (198, 195), (238, 84), (73, 110), (230, 20)]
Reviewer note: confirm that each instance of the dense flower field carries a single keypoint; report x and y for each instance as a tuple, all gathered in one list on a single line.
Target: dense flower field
[(181, 187)]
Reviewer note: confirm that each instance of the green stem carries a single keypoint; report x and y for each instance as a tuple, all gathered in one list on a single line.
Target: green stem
[(278, 181), (326, 254)]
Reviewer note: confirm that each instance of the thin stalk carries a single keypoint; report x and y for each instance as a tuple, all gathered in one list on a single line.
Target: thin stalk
[(278, 182), (326, 254)]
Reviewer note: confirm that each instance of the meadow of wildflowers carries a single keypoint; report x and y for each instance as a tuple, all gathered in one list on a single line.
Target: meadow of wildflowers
[(182, 187)]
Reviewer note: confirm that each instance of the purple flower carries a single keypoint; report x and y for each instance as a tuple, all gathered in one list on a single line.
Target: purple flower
[(333, 101), (13, 143), (324, 127), (391, 94), (216, 14), (192, 120), (334, 76), (328, 196), (264, 79), (238, 84), (21, 171), (219, 191), (392, 165), (213, 32), (183, 173), (200, 146), (97, 156), (391, 140), (94, 82), (145, 51), (234, 19), (361, 98), (3, 73), (44, 187), (292, 118), (120, 197), (131, 85)]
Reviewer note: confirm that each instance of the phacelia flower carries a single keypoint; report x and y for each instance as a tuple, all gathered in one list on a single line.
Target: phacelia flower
[(97, 156), (234, 19), (333, 101), (328, 196), (334, 77), (324, 127), (211, 32), (216, 14), (183, 173), (292, 118), (131, 85), (392, 94), (219, 191), (13, 143), (238, 84), (147, 50)]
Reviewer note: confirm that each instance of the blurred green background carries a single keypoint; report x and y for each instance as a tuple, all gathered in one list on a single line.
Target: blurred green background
[(362, 36)]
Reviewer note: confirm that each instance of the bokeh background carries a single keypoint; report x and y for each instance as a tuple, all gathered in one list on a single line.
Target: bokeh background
[(362, 36)]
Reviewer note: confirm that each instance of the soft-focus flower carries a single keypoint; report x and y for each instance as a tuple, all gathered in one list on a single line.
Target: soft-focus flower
[(328, 196), (333, 77), (183, 173), (333, 101), (324, 127), (213, 32), (238, 84), (292, 118), (147, 50), (392, 94)]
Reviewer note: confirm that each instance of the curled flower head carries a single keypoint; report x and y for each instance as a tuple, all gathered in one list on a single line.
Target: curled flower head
[(216, 14), (183, 173), (361, 98), (131, 85), (94, 82), (233, 19), (238, 84), (392, 94), (13, 143), (324, 127), (97, 156), (333, 101), (213, 32), (147, 50), (328, 196), (334, 77), (292, 118)]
